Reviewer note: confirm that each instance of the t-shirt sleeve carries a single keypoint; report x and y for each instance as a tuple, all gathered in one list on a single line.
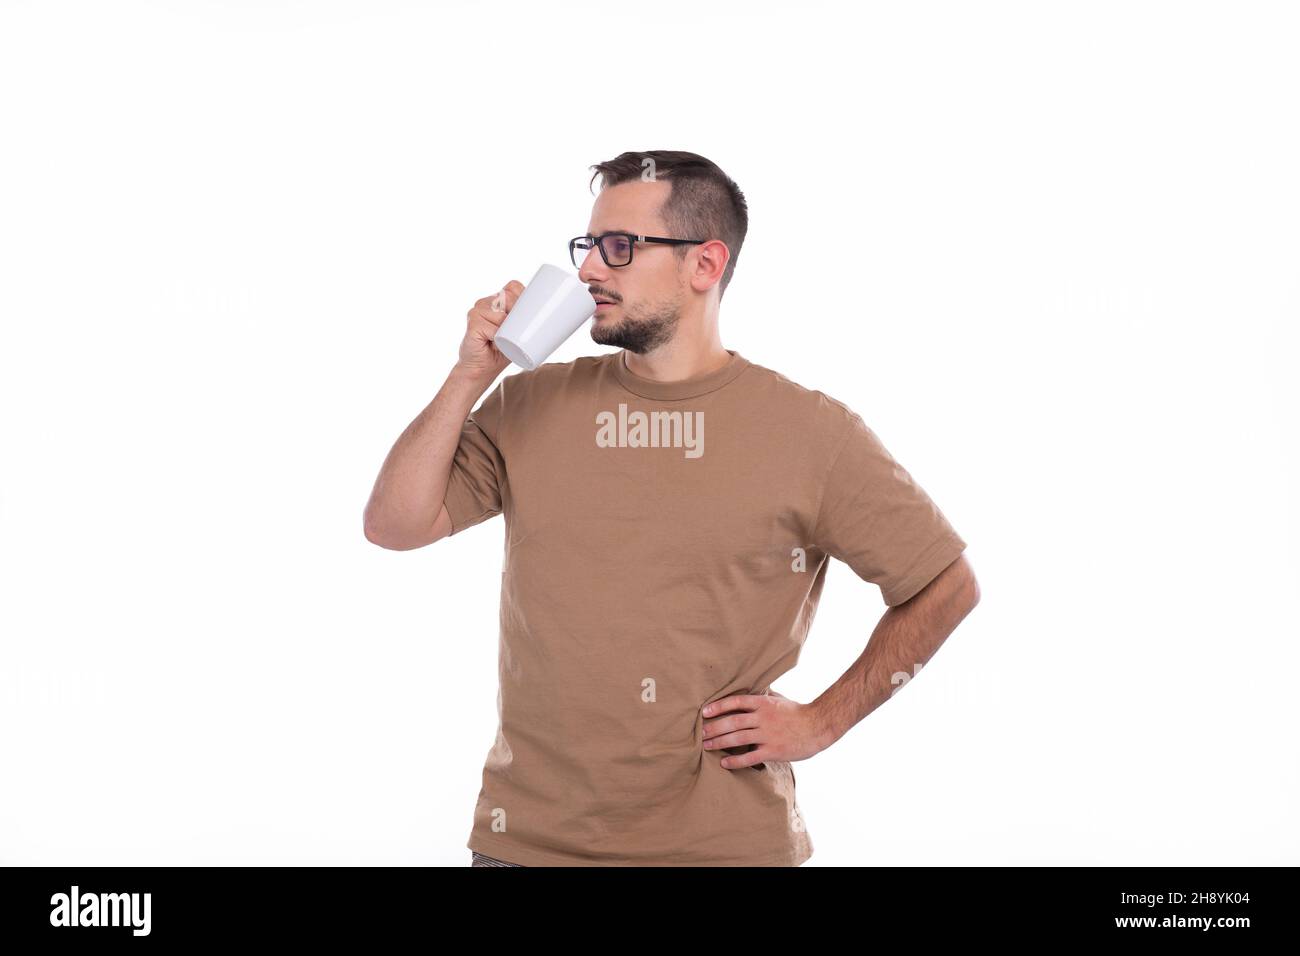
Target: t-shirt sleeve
[(876, 519), (478, 470)]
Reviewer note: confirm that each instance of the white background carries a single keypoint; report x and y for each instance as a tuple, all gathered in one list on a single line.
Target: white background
[(1047, 251)]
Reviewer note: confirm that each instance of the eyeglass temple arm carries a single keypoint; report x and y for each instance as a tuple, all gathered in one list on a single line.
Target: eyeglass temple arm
[(671, 241)]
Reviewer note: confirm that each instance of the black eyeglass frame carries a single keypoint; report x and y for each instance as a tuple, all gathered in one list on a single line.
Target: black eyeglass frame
[(599, 242)]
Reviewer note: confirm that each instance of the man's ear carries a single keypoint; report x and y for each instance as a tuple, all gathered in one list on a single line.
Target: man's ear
[(710, 264)]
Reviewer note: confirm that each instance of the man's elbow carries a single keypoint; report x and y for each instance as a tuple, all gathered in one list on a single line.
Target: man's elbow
[(375, 535), (958, 587), (970, 587), (406, 538), (396, 541)]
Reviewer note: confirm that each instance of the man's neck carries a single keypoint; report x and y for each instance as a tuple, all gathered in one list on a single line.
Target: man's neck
[(677, 360)]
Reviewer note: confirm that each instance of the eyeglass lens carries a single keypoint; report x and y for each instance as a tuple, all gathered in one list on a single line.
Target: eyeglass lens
[(618, 250)]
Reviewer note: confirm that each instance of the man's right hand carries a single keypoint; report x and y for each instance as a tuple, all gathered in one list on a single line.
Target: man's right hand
[(479, 356)]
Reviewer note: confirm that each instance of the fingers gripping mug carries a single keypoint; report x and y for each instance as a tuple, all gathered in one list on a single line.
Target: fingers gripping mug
[(550, 309)]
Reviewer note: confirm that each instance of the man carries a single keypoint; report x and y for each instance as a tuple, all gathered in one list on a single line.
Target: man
[(670, 509)]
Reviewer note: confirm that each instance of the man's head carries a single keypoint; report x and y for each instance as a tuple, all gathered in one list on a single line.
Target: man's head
[(668, 194)]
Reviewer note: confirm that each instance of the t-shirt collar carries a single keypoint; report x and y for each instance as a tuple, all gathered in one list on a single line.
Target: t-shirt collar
[(682, 388)]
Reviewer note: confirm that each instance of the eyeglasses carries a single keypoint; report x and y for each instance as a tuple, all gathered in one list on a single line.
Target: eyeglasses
[(616, 247)]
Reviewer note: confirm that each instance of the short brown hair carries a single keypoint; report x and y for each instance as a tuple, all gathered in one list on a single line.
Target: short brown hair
[(703, 202)]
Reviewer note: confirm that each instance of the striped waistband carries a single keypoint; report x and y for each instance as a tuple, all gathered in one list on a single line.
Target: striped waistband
[(480, 859)]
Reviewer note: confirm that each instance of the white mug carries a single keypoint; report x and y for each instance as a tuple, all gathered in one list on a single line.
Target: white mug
[(550, 309)]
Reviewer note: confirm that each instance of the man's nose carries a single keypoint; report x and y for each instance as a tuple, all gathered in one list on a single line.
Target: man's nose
[(593, 267)]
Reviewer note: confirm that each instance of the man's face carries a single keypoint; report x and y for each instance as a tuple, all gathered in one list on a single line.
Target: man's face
[(647, 294)]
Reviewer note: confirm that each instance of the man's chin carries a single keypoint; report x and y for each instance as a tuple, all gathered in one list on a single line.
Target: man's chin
[(604, 333), (635, 335)]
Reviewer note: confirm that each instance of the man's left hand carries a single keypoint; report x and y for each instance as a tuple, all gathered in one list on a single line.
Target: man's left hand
[(781, 729)]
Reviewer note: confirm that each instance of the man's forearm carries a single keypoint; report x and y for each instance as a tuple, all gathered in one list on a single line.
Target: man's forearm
[(906, 636), (409, 492)]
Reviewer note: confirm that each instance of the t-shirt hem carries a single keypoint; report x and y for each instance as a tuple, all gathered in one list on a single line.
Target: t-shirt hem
[(529, 857), (461, 509), (937, 557)]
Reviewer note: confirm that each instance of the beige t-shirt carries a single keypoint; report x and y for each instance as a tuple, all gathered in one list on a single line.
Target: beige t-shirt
[(665, 546)]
